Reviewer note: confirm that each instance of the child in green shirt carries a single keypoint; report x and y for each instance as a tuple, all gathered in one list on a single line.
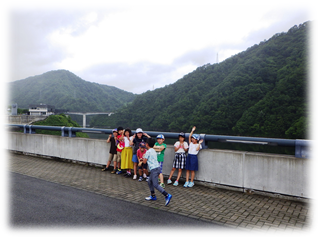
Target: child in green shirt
[(160, 148)]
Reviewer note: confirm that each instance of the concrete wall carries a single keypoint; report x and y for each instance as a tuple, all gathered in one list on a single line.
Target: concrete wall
[(281, 174), (24, 119)]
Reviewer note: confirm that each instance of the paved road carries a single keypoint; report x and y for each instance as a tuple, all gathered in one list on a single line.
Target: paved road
[(39, 202)]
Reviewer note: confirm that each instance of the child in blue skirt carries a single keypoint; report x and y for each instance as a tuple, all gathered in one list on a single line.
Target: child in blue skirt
[(192, 159)]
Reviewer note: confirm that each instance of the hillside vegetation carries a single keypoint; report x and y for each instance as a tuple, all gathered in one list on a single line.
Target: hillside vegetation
[(67, 91), (259, 92), (58, 120)]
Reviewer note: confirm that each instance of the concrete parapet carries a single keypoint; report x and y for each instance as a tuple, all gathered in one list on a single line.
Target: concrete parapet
[(273, 173), (24, 119)]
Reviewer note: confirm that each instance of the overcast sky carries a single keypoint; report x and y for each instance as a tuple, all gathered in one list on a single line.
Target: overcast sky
[(139, 47)]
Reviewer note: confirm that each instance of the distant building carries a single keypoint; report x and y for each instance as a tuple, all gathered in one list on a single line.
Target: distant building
[(41, 109), (14, 109)]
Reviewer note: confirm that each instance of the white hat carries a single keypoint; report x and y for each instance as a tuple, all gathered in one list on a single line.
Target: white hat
[(138, 130)]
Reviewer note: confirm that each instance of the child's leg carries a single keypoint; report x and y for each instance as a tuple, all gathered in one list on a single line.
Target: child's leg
[(187, 175), (135, 167), (115, 165), (192, 175), (161, 175), (119, 160), (108, 164), (155, 174), (171, 172), (146, 172), (179, 174), (151, 181), (161, 178), (140, 171)]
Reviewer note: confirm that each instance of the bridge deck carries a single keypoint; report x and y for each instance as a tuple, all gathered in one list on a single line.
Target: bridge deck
[(229, 208)]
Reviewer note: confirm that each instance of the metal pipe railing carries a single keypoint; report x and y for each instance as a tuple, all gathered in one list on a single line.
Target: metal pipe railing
[(68, 131), (301, 146)]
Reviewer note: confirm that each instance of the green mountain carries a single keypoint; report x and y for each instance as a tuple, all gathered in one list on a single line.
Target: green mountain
[(258, 92), (67, 91)]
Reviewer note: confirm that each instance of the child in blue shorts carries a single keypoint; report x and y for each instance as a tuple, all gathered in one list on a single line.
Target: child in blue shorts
[(192, 159), (160, 148)]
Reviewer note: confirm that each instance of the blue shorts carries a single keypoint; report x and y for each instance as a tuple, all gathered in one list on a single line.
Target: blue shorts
[(134, 158), (161, 164), (144, 166)]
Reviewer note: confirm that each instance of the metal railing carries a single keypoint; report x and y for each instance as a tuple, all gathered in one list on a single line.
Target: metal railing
[(70, 132), (302, 147)]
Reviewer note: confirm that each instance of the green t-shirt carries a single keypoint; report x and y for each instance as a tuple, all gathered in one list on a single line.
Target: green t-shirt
[(161, 154)]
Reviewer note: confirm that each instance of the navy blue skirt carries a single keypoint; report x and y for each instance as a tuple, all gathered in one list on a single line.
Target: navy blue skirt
[(192, 162)]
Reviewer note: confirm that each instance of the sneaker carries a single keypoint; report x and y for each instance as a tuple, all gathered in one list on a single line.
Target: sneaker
[(135, 176), (162, 185), (186, 184), (140, 179), (169, 181), (128, 175), (113, 172), (119, 172), (168, 198), (147, 179), (151, 198), (191, 184), (144, 175), (105, 169), (176, 183)]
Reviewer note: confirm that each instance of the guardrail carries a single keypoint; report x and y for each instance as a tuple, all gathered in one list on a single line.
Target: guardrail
[(302, 147)]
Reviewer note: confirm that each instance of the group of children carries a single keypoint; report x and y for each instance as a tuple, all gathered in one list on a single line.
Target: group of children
[(140, 151)]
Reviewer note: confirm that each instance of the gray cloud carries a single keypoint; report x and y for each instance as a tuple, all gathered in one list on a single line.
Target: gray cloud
[(31, 53), (138, 77), (285, 21)]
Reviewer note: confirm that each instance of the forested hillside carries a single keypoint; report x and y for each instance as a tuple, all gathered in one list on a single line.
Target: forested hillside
[(259, 92), (67, 91)]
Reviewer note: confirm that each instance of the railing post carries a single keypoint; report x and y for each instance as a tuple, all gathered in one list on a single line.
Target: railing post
[(31, 131), (63, 133), (204, 143), (302, 149), (70, 133)]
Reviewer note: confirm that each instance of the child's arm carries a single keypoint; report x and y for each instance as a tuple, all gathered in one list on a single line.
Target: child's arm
[(108, 140), (177, 147), (193, 129), (198, 148), (131, 142), (159, 148), (145, 134)]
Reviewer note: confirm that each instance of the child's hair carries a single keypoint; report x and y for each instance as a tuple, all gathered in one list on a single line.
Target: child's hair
[(128, 129), (151, 142), (120, 128)]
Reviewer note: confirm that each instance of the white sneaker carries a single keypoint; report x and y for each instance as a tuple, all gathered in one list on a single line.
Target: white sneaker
[(145, 176), (135, 176)]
